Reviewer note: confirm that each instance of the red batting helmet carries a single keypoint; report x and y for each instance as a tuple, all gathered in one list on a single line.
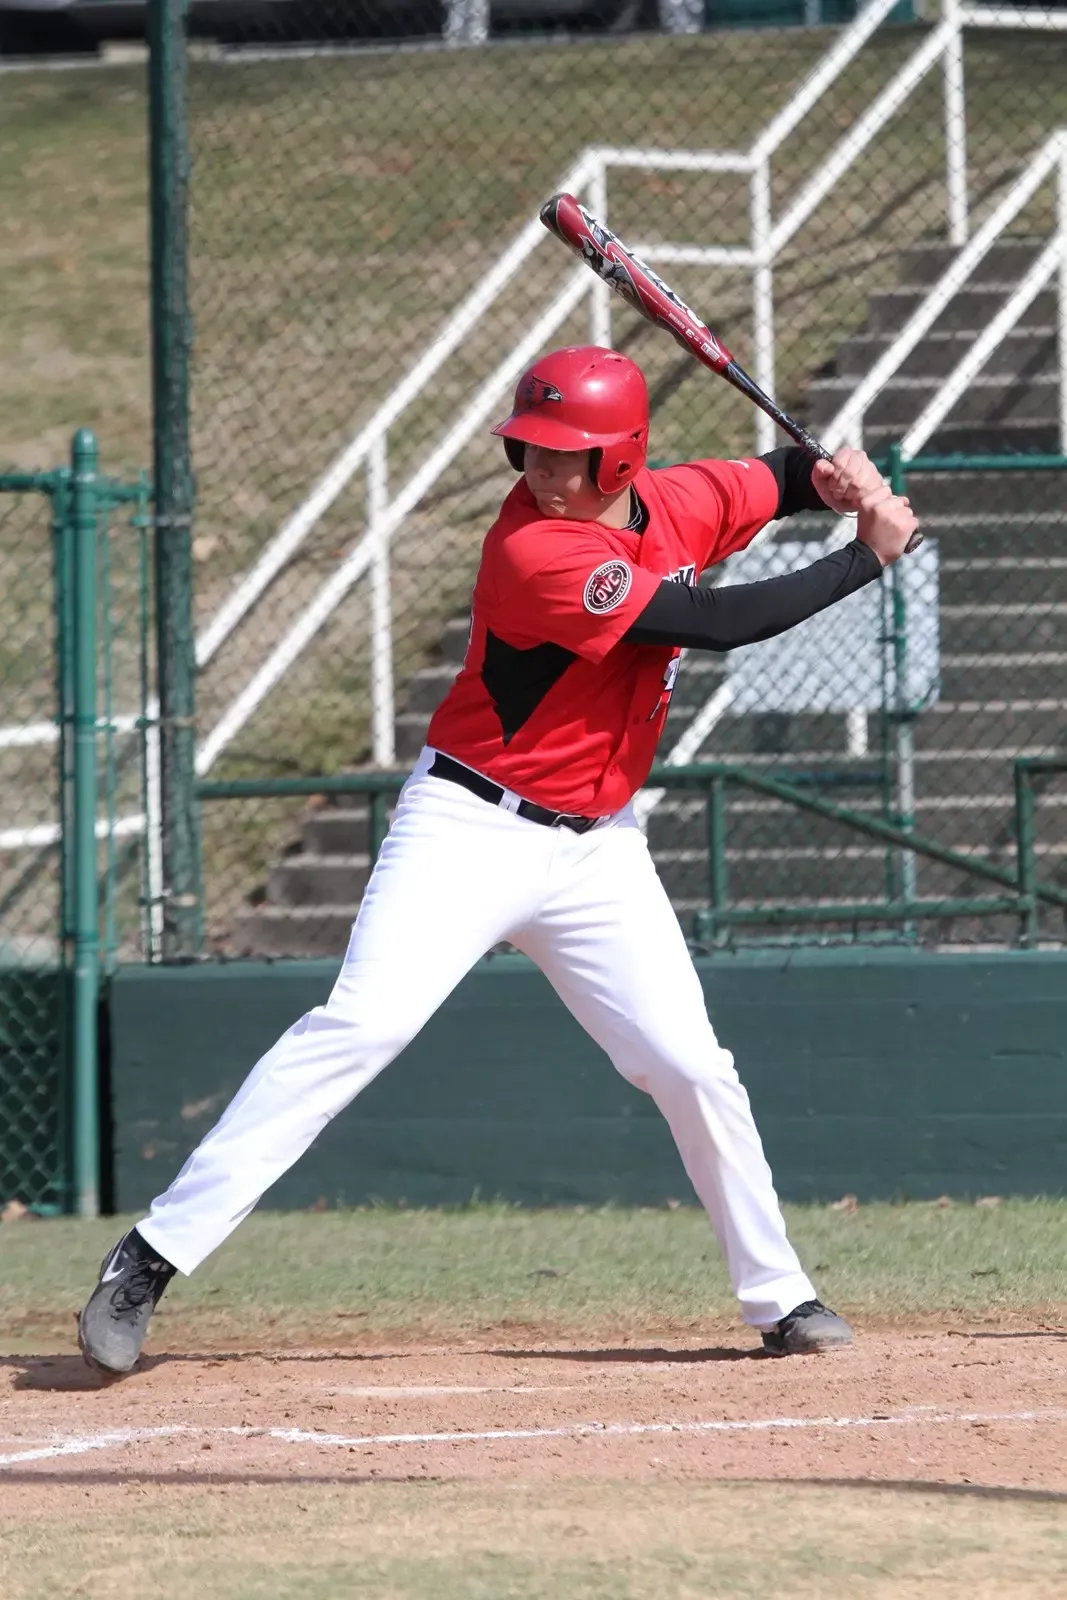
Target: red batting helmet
[(583, 398)]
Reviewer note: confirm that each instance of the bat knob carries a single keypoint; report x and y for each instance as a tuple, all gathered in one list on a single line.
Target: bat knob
[(548, 215), (913, 543)]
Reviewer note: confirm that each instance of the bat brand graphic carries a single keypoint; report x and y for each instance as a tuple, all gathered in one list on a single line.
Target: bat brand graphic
[(597, 251), (613, 273)]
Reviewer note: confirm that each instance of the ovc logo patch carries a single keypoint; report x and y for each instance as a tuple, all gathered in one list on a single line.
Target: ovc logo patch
[(608, 586)]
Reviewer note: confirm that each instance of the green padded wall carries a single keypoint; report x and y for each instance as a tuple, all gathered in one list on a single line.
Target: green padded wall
[(882, 1074)]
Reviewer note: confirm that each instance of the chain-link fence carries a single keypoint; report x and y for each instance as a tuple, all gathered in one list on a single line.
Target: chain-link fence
[(368, 278), (863, 204), (79, 822), (32, 990), (29, 876)]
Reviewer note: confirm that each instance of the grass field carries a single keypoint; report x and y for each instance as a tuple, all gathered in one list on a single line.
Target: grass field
[(430, 1274), (573, 1542), (270, 1474)]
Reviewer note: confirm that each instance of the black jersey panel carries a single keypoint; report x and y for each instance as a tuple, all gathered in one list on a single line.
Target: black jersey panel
[(518, 680)]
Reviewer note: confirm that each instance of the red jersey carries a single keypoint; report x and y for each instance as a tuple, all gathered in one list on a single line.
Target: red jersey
[(551, 702)]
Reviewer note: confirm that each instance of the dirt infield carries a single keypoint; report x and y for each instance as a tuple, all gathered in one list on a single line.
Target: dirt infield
[(499, 1406), (945, 1405)]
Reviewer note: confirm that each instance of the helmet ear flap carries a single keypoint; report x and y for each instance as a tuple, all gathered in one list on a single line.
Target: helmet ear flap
[(617, 465), (515, 451)]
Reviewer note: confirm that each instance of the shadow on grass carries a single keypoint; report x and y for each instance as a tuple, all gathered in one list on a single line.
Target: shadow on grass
[(123, 1477), (960, 1491)]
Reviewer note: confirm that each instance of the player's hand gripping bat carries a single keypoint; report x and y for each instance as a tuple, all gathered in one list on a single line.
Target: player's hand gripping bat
[(646, 291)]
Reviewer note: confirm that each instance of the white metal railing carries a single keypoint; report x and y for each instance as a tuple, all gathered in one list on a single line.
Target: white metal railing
[(376, 538), (343, 468), (847, 426), (768, 237), (589, 175)]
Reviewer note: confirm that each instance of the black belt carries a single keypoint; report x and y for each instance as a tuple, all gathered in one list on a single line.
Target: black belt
[(445, 767)]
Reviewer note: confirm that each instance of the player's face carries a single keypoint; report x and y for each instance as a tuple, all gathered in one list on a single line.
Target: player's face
[(560, 483)]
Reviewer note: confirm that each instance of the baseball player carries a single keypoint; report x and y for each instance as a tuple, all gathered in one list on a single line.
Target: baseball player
[(516, 825)]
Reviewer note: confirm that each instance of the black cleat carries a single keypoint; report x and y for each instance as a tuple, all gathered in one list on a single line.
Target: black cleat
[(113, 1324), (809, 1329)]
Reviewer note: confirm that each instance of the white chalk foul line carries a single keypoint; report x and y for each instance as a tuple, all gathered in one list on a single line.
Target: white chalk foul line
[(580, 1430), (81, 1445), (602, 1430)]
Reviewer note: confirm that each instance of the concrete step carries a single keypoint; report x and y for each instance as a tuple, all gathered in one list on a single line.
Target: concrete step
[(1011, 437), (452, 645), (993, 583), (990, 677), (410, 735), (1007, 260), (770, 877), (1007, 724), (1007, 538), (428, 687), (964, 931), (804, 740), (989, 398), (970, 309), (958, 493), (698, 678), (778, 736), (1004, 627), (948, 771), (943, 774), (771, 874), (337, 831), (785, 738), (1023, 352), (291, 931), (842, 874), (312, 880), (983, 820)]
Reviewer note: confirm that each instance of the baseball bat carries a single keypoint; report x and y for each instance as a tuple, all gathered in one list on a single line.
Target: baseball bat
[(643, 289)]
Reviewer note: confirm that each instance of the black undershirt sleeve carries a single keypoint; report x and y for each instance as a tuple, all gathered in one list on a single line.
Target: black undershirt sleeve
[(792, 469), (687, 617)]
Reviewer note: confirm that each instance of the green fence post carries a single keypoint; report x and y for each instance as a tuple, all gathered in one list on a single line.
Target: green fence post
[(378, 825), (172, 470), (717, 869), (86, 939), (902, 714), (63, 590), (1024, 853)]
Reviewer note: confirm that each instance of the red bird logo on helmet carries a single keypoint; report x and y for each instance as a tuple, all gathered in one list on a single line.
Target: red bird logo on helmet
[(535, 391)]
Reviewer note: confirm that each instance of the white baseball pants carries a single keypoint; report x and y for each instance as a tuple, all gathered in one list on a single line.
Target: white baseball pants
[(455, 877)]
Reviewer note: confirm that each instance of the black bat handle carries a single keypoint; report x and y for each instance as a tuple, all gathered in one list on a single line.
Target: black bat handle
[(736, 374), (740, 379)]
